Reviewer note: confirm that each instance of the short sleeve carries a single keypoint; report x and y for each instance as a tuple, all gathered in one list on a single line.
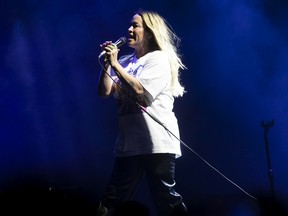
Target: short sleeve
[(155, 74)]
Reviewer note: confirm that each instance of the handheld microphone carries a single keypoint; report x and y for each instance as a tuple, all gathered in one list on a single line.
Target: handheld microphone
[(120, 42)]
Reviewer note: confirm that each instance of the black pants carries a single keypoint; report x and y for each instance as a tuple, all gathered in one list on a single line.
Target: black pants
[(159, 170)]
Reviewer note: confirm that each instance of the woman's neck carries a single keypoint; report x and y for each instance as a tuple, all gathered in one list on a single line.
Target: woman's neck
[(142, 52)]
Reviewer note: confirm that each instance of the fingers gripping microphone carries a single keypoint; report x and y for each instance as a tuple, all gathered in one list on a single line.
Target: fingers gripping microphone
[(120, 42)]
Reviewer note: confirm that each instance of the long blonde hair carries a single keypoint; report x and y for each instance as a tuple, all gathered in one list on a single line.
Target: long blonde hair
[(166, 40)]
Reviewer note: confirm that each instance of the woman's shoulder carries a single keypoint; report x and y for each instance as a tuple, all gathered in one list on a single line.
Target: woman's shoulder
[(158, 55)]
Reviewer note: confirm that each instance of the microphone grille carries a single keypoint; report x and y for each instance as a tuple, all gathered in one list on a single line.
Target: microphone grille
[(123, 40)]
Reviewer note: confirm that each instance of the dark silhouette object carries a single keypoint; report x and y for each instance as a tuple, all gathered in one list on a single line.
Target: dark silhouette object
[(270, 206), (267, 125), (266, 205), (31, 197), (131, 208)]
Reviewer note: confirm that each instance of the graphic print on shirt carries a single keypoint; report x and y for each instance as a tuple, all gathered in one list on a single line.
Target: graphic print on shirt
[(129, 104)]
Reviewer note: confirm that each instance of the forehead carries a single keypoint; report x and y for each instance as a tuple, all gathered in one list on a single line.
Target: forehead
[(137, 19)]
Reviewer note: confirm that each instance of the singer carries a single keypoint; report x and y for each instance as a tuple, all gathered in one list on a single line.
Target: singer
[(145, 85)]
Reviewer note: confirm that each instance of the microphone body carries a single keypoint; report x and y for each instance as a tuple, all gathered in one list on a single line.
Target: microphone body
[(120, 42)]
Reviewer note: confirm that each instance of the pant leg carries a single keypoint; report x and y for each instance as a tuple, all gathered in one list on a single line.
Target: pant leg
[(160, 172), (126, 175)]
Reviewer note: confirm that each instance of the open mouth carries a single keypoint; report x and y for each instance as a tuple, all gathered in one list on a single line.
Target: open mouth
[(131, 37)]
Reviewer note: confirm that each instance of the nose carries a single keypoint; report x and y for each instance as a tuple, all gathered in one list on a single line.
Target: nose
[(130, 29)]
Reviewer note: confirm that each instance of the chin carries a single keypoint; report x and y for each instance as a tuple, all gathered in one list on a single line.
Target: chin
[(130, 44)]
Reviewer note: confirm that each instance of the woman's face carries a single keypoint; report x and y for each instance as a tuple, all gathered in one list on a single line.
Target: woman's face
[(136, 34)]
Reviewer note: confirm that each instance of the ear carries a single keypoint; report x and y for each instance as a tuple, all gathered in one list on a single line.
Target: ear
[(149, 35)]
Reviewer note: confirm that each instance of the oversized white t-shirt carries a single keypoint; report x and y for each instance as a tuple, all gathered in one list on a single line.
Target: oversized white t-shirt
[(139, 133)]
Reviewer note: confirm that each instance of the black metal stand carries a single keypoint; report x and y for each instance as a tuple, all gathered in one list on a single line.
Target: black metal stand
[(266, 125)]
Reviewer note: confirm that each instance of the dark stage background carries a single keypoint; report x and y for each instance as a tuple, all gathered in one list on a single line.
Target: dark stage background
[(54, 128)]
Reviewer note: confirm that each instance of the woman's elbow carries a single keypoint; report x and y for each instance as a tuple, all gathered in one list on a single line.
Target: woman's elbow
[(104, 94), (139, 91)]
